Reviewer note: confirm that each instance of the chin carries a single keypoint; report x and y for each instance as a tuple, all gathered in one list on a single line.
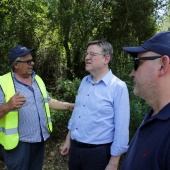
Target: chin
[(135, 92), (138, 94), (87, 69)]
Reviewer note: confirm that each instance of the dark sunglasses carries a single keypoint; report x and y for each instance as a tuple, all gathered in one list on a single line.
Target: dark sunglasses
[(136, 60), (27, 61)]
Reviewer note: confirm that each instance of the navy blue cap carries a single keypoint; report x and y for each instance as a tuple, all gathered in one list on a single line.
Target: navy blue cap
[(159, 43), (18, 51)]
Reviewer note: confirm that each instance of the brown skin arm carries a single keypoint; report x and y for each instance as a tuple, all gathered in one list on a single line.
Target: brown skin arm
[(59, 105)]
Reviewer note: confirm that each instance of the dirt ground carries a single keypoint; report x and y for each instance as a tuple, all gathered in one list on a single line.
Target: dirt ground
[(53, 159)]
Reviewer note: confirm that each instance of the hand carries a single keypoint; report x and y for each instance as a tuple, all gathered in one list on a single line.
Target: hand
[(71, 106), (64, 150), (16, 101)]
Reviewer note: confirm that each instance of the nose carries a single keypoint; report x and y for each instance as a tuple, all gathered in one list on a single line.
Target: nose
[(87, 56), (132, 73), (31, 62)]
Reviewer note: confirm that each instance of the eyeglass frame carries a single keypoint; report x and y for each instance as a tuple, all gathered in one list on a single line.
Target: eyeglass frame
[(137, 59), (92, 54), (26, 61)]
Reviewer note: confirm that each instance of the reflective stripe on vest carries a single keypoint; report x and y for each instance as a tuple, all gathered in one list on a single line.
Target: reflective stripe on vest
[(9, 136), (8, 131)]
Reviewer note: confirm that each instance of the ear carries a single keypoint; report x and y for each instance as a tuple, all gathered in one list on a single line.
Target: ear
[(165, 65), (107, 58), (15, 64)]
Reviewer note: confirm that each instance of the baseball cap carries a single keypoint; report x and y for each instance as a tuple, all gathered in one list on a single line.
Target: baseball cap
[(18, 51), (159, 43)]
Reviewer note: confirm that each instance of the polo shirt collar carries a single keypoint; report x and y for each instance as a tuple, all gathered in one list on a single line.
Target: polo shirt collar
[(163, 114)]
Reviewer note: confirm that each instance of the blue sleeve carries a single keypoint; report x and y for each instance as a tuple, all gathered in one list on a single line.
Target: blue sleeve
[(122, 119)]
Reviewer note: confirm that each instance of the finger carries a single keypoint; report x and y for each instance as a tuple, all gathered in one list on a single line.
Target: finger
[(19, 105), (21, 98), (17, 93), (64, 152)]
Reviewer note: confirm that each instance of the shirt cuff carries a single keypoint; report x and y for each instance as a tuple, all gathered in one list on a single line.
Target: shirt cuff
[(117, 150)]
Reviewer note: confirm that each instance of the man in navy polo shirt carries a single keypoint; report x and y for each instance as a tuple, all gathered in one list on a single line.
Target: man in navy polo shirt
[(150, 147)]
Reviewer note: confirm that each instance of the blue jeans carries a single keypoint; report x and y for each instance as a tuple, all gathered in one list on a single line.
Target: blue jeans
[(95, 158), (26, 156)]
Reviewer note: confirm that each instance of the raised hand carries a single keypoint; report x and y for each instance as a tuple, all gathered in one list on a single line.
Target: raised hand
[(16, 101)]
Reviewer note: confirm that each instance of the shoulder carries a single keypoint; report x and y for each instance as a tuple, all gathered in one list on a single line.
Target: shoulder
[(5, 78), (38, 78), (86, 79), (117, 82)]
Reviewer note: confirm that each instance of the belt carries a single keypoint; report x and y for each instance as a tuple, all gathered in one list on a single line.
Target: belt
[(87, 145)]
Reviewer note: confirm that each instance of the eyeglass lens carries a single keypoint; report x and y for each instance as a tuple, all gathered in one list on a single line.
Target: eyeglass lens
[(27, 61), (136, 60)]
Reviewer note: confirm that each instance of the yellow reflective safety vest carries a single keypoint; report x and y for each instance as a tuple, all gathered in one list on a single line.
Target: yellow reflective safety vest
[(9, 136)]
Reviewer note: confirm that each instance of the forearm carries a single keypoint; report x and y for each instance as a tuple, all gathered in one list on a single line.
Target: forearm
[(68, 137), (113, 163), (66, 146), (59, 105), (114, 160), (4, 109)]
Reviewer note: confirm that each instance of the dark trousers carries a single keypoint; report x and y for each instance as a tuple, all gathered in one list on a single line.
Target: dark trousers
[(89, 158), (26, 156)]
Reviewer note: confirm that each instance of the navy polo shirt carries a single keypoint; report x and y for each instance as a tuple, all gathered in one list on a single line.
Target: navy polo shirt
[(150, 147)]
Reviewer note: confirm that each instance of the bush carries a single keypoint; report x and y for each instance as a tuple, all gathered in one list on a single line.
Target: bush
[(138, 109), (66, 91)]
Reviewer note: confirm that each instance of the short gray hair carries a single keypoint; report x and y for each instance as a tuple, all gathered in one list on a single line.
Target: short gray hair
[(18, 59)]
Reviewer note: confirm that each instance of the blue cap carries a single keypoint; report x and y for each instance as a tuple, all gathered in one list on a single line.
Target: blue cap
[(159, 43), (18, 51)]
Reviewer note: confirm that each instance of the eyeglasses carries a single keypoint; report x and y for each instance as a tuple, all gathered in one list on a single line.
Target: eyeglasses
[(136, 60), (91, 54), (27, 61)]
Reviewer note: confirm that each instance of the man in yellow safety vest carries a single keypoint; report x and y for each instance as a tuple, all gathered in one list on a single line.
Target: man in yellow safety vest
[(25, 121)]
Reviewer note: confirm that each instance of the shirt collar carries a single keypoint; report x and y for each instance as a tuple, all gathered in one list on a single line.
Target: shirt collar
[(33, 74), (106, 78), (163, 114)]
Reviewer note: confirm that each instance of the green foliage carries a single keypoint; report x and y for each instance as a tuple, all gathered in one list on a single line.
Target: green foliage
[(60, 30), (66, 91), (165, 24), (138, 109)]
